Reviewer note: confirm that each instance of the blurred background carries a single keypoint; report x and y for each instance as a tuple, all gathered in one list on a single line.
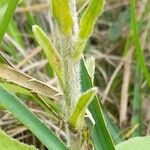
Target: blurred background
[(122, 89)]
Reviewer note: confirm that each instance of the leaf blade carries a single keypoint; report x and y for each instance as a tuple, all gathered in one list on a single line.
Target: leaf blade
[(6, 16), (89, 18), (19, 110), (77, 116), (100, 135), (9, 143), (14, 76), (137, 43), (137, 143), (50, 52), (61, 13), (87, 23)]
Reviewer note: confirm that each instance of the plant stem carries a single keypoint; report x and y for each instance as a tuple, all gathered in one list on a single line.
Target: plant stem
[(71, 75)]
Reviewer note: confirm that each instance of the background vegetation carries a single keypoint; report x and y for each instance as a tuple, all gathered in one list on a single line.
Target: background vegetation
[(121, 73)]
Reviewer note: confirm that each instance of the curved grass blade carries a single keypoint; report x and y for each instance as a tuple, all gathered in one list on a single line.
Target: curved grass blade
[(20, 111), (137, 43), (9, 143), (7, 7), (100, 135)]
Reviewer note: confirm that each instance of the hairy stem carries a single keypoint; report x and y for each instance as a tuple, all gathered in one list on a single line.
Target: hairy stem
[(71, 75)]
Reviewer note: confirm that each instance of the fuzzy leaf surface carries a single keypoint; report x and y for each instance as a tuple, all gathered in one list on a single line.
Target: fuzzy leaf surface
[(87, 23), (61, 12), (51, 54), (89, 18), (78, 114)]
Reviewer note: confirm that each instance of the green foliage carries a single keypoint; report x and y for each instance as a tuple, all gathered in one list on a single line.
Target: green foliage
[(87, 23), (89, 18), (100, 135), (90, 64), (137, 43), (51, 53), (20, 111), (62, 14), (137, 103), (7, 7), (78, 114), (8, 143), (137, 143)]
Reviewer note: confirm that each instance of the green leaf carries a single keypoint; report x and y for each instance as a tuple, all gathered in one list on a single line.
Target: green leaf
[(90, 64), (7, 7), (138, 143), (137, 103), (100, 135), (20, 111), (78, 115), (51, 54), (89, 18), (113, 129), (8, 143), (13, 88), (79, 48), (62, 14), (87, 23), (137, 43)]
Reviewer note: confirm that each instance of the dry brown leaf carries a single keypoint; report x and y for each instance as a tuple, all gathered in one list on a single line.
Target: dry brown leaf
[(12, 75)]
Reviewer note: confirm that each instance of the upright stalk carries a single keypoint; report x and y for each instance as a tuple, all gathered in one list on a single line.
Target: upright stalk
[(71, 74)]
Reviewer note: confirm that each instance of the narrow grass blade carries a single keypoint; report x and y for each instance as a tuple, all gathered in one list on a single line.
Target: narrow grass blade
[(137, 103), (13, 88), (138, 47), (20, 111), (113, 129), (47, 104), (78, 115), (7, 7), (51, 53), (100, 135), (9, 143), (62, 14), (16, 34)]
